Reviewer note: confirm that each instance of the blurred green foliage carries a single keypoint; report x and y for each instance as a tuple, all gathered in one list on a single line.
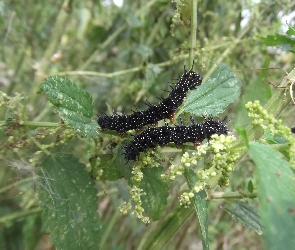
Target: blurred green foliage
[(122, 56)]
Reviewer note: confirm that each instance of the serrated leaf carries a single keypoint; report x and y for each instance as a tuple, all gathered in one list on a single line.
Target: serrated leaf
[(156, 192), (104, 166), (212, 97), (246, 215), (75, 105), (69, 201), (276, 192), (201, 207), (63, 93)]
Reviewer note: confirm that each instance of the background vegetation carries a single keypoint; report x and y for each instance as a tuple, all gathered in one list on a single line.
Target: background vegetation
[(122, 56)]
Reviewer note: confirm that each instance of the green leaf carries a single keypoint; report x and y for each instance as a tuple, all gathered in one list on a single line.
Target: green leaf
[(274, 139), (212, 97), (75, 105), (245, 214), (283, 41), (278, 139), (277, 39), (200, 205), (105, 167), (291, 31), (32, 230), (156, 192), (276, 192), (124, 166), (250, 186), (243, 133), (69, 201), (157, 237)]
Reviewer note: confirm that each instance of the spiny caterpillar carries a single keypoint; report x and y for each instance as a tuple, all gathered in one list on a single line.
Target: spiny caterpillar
[(153, 137), (154, 113)]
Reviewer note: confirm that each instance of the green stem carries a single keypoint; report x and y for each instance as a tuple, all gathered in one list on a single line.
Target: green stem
[(32, 124), (8, 219), (229, 49), (103, 46), (118, 31), (231, 195), (107, 232), (193, 36), (121, 72), (53, 43), (140, 68), (17, 70), (39, 124), (16, 184), (44, 112)]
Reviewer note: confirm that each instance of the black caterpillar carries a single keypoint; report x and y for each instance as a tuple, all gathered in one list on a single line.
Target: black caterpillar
[(152, 137), (165, 110)]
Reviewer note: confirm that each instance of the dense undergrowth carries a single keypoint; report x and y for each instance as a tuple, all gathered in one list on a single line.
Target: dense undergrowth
[(63, 178)]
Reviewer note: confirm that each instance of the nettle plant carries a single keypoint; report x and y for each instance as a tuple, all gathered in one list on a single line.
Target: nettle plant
[(67, 187)]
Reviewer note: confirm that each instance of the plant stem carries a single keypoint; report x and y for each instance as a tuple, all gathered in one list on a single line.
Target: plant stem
[(193, 36), (230, 195), (121, 72), (229, 49), (118, 31), (44, 112), (8, 219), (16, 184), (193, 41), (32, 124), (53, 43), (39, 124)]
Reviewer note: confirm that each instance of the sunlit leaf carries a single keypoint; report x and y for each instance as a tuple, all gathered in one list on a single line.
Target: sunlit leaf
[(213, 96), (75, 105)]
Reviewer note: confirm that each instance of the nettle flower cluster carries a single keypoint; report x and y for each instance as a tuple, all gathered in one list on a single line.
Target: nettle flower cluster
[(135, 191), (217, 167), (216, 171), (268, 123)]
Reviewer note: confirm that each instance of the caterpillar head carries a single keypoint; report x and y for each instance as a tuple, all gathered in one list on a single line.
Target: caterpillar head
[(216, 127)]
